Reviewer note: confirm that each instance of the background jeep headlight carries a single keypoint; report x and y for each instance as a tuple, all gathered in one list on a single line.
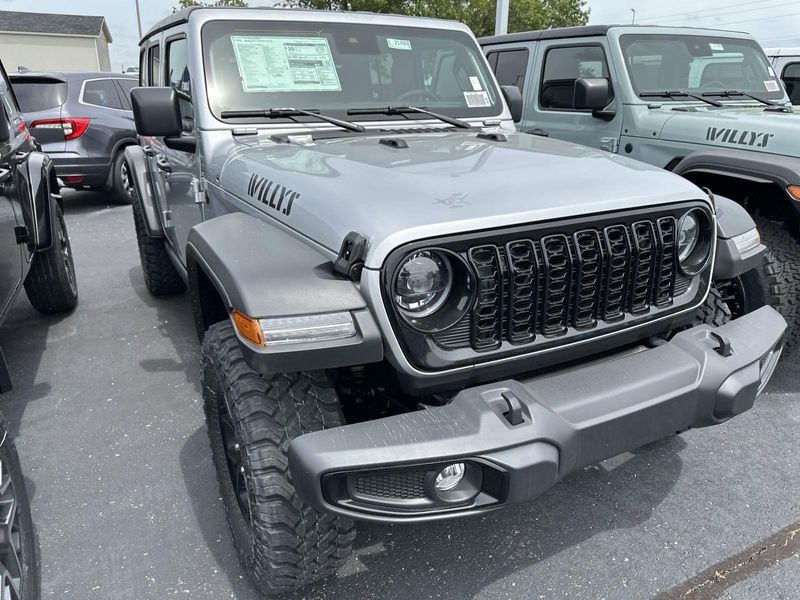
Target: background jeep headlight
[(432, 288), (694, 241)]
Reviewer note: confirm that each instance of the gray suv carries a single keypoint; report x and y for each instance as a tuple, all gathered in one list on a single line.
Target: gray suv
[(408, 310), (83, 121)]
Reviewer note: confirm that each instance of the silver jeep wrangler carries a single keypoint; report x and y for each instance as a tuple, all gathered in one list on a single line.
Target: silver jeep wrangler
[(409, 311)]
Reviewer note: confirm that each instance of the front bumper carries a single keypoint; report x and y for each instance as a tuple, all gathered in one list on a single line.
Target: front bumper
[(384, 470)]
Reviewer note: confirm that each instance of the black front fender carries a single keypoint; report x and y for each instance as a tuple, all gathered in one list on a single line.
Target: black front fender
[(263, 272), (34, 178), (140, 171)]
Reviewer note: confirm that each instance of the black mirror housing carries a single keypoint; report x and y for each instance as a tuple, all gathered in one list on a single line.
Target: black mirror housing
[(513, 98), (156, 111), (591, 93)]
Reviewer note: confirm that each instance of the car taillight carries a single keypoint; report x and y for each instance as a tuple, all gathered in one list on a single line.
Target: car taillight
[(73, 127)]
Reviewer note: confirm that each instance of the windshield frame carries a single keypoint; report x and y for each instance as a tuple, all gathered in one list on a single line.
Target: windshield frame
[(495, 111), (628, 38)]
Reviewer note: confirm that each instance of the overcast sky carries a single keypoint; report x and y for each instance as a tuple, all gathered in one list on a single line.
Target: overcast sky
[(772, 22)]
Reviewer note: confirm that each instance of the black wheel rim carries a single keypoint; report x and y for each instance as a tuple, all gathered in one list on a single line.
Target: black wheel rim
[(234, 458), (125, 180), (11, 551), (733, 293), (66, 255)]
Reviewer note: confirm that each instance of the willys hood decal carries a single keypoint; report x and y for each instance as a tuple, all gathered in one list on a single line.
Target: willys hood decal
[(439, 184)]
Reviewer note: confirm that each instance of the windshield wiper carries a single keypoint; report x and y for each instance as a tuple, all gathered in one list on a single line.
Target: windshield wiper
[(679, 94), (402, 110), (277, 113), (732, 93)]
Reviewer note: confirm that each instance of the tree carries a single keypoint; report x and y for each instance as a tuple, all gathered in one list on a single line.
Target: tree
[(188, 3), (524, 15)]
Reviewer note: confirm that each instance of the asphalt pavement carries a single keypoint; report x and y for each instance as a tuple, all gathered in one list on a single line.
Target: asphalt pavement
[(110, 429)]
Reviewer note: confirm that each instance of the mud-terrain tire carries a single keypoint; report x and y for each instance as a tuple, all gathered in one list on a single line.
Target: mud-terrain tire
[(283, 543), (121, 182), (160, 275), (18, 549), (714, 312), (51, 285)]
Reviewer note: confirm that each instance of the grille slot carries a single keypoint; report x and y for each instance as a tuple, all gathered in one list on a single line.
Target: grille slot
[(644, 260), (486, 314)]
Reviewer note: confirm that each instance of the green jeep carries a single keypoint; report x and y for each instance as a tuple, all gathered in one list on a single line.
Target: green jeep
[(705, 104)]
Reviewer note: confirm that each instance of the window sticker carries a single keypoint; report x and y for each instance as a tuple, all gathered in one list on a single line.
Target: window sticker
[(285, 64), (717, 47), (772, 86), (476, 99), (395, 44), (476, 84), (771, 71)]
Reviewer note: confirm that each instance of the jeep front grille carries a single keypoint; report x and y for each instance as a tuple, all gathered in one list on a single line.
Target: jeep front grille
[(531, 287)]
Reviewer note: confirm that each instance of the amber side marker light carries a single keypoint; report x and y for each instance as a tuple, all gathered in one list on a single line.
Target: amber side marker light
[(794, 191), (248, 328)]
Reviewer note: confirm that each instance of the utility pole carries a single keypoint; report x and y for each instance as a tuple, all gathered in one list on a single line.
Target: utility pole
[(501, 18), (138, 18), (633, 15)]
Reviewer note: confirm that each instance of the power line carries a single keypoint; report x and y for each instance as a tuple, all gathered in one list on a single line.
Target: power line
[(726, 13), (713, 10), (771, 18)]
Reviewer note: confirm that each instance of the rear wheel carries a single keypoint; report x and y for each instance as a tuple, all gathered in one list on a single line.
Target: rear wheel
[(121, 181), (284, 543), (51, 285), (160, 275)]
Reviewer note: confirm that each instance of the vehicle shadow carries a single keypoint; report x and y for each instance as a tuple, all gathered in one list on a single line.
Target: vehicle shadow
[(176, 324), (617, 494), (80, 202)]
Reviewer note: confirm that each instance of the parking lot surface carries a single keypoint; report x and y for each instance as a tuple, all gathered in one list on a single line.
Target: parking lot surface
[(111, 433)]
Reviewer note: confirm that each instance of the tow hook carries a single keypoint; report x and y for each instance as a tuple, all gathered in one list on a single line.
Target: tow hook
[(724, 347)]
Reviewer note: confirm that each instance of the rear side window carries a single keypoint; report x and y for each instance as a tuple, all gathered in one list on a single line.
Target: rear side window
[(34, 95), (562, 66), (791, 79), (510, 66), (124, 87), (101, 92), (153, 64)]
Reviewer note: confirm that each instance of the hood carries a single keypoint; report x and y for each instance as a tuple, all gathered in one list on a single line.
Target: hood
[(745, 128), (440, 184)]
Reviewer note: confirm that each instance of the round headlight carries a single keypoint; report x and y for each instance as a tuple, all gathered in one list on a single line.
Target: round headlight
[(694, 241), (432, 288), (422, 283)]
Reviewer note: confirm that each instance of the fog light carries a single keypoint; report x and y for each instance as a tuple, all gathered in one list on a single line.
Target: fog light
[(449, 477)]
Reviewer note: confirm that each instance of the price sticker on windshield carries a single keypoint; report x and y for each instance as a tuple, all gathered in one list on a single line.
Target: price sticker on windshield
[(772, 86), (477, 99), (398, 44)]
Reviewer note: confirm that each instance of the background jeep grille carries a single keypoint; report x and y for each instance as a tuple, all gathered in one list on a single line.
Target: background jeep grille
[(531, 287)]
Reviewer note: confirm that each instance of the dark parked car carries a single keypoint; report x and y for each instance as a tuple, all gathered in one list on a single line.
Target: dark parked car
[(83, 121)]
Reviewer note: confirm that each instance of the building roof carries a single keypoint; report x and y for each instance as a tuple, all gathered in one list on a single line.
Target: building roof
[(44, 23)]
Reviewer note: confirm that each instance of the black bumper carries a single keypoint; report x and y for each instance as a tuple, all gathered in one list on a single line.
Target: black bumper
[(384, 470)]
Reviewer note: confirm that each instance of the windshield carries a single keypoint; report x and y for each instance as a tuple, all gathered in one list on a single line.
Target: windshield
[(699, 64), (333, 67)]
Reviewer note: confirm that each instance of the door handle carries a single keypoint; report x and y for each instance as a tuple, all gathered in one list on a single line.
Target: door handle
[(163, 165), (540, 132)]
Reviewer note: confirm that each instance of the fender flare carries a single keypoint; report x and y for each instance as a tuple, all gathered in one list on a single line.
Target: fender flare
[(747, 165), (732, 221), (263, 271), (38, 175), (140, 171)]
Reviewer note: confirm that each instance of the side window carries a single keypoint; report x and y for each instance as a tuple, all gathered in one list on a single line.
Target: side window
[(101, 92), (791, 79), (510, 66), (124, 87), (142, 67), (153, 64), (177, 77), (562, 66)]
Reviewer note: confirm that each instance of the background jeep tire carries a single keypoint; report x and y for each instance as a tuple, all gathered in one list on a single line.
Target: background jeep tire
[(51, 285), (121, 182), (18, 551), (160, 275), (283, 543), (715, 310)]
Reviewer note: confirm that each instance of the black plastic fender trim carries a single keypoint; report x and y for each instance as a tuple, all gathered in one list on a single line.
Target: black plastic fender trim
[(139, 170)]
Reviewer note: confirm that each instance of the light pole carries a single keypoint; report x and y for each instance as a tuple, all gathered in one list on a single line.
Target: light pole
[(633, 15), (138, 19), (501, 18)]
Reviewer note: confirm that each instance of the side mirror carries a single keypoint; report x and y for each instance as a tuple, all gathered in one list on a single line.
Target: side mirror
[(156, 111), (513, 98), (5, 126), (591, 93)]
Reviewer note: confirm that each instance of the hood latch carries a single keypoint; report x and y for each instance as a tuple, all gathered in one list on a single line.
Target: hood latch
[(351, 256)]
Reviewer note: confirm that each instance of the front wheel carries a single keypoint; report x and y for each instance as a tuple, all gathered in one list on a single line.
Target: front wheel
[(284, 543), (51, 285)]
